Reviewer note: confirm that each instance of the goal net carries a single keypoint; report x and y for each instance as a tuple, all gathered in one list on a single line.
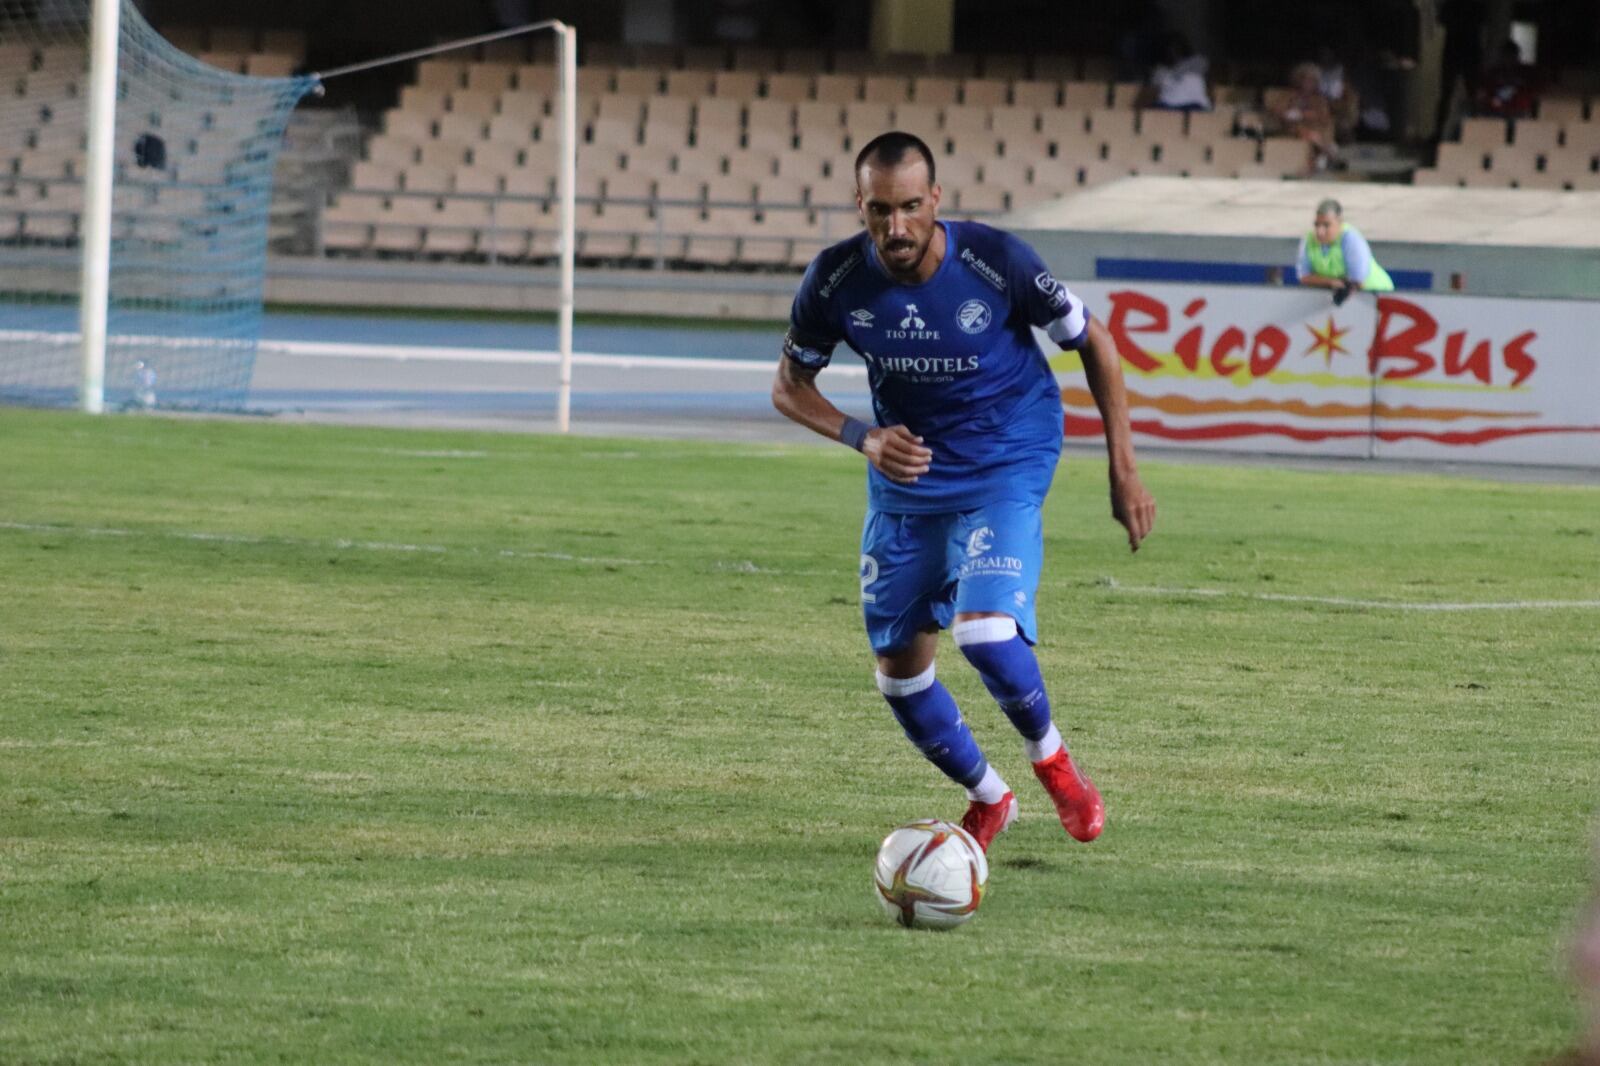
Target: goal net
[(194, 152)]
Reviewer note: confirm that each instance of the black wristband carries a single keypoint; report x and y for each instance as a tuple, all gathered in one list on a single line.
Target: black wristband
[(854, 432)]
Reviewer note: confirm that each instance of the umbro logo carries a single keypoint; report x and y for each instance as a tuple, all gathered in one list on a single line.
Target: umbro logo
[(862, 317)]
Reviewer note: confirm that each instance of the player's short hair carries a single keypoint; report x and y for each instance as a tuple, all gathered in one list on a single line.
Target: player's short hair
[(890, 149), (1330, 207)]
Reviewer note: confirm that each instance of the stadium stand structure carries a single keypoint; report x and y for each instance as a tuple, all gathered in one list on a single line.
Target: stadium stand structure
[(741, 158)]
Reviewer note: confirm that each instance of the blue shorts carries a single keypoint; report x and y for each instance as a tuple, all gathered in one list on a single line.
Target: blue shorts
[(921, 570)]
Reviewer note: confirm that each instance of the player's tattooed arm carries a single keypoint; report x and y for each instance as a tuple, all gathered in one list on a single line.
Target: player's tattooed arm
[(898, 453), (1131, 504)]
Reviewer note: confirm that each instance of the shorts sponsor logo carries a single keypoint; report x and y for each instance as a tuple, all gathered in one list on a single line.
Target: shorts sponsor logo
[(974, 316), (1055, 293), (992, 566), (980, 541)]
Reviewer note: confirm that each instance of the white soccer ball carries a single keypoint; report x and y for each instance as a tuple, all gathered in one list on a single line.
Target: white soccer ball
[(930, 874)]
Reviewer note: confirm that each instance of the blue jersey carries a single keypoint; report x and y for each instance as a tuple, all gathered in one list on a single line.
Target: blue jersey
[(952, 359)]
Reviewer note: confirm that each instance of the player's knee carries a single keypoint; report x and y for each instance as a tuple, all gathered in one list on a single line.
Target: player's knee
[(922, 706), (1002, 658)]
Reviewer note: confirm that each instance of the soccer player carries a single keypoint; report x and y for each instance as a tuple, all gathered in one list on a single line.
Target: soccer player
[(968, 433)]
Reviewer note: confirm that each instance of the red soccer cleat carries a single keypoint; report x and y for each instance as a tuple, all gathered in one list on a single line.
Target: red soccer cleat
[(1077, 801), (985, 821)]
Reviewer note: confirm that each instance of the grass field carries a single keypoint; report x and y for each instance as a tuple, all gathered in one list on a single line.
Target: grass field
[(324, 745)]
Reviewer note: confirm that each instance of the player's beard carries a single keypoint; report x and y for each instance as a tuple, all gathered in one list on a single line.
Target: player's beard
[(895, 258)]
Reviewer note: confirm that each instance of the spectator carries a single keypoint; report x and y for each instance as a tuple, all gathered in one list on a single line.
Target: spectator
[(1340, 90), (1178, 82), (1307, 114), (1507, 88), (1336, 256)]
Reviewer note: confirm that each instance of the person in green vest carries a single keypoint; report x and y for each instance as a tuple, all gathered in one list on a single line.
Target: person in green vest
[(1336, 256)]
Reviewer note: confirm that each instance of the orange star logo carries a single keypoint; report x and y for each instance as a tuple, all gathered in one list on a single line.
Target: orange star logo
[(1327, 340)]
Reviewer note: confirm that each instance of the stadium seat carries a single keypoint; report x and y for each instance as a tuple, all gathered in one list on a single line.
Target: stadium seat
[(730, 190), (936, 91), (716, 111), (1006, 173), (454, 228), (1040, 96), (1461, 160), (637, 82), (370, 174), (959, 120), (1535, 135), (680, 188), (446, 74), (429, 178), (985, 92), (794, 88), (955, 171), (783, 191), (461, 127), (956, 65), (1156, 124), (401, 228), (921, 119), (1285, 156), (395, 151), (1232, 155), (1207, 126), (537, 78), (866, 119), (886, 88), (980, 200), (1182, 155), (802, 165), (769, 138), (1084, 95), (1486, 133), (477, 181), (836, 88), (442, 153), (1565, 110), (1063, 125), (1433, 176), (769, 114), (497, 157), (743, 84), (1007, 122), (529, 182), (513, 128), (493, 78), (1125, 94), (408, 125)]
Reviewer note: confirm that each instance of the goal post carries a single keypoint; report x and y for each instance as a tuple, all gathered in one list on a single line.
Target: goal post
[(566, 113)]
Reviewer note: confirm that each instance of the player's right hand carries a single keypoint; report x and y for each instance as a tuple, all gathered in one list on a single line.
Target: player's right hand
[(897, 453)]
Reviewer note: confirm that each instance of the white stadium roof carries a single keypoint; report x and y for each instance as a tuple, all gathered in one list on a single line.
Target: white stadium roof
[(1235, 208)]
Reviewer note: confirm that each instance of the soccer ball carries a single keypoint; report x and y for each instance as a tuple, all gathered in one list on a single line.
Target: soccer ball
[(930, 874)]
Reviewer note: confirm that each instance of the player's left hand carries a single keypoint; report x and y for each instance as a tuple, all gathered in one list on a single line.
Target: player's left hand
[(1133, 506)]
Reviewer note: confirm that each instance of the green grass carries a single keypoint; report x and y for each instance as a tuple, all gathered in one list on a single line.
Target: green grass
[(596, 773)]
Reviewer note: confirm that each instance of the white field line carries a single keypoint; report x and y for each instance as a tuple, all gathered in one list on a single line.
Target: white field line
[(1342, 601), (339, 545), (407, 352), (745, 567)]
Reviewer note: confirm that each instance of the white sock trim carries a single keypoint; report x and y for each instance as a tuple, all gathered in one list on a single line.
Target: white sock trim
[(984, 631), (988, 790), (905, 686), (1046, 746)]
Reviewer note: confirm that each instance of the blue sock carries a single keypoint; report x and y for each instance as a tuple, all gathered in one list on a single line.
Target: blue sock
[(928, 713), (1010, 672)]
